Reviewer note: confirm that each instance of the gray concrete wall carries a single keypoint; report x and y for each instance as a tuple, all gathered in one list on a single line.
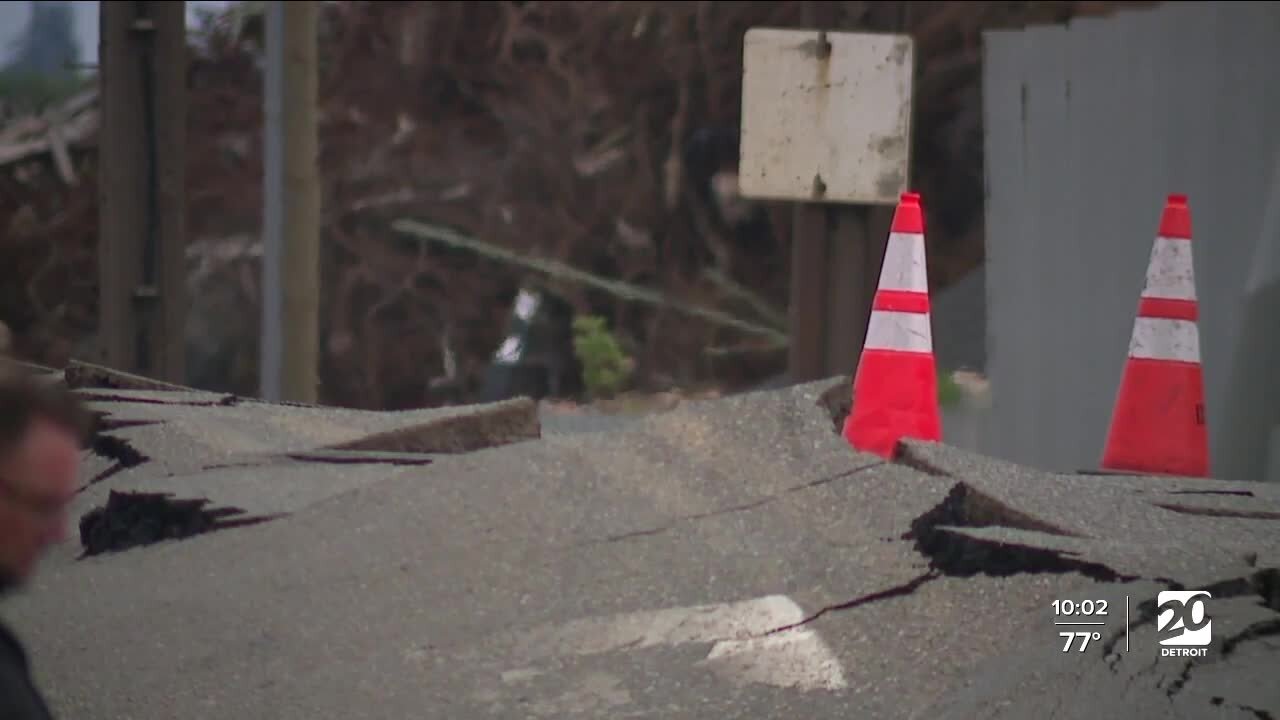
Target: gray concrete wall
[(1252, 403), (1088, 127), (966, 425)]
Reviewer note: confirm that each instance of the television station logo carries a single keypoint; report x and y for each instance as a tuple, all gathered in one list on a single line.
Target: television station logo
[(1183, 626)]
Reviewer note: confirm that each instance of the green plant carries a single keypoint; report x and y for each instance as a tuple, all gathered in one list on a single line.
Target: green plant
[(949, 391), (605, 368)]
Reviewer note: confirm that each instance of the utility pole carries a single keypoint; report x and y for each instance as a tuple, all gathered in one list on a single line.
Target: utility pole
[(142, 215), (291, 202)]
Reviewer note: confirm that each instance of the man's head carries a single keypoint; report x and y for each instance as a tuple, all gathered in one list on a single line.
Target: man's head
[(41, 433)]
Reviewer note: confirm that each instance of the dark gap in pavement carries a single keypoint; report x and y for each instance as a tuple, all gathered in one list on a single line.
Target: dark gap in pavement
[(1267, 584), (1259, 714), (634, 534), (116, 448), (105, 474), (1241, 493), (917, 463), (1264, 583), (107, 423), (1260, 629), (1220, 512), (1176, 686), (966, 506), (1266, 628), (896, 591), (832, 478), (112, 447), (251, 463), (134, 519), (227, 401), (826, 480), (337, 457), (959, 556)]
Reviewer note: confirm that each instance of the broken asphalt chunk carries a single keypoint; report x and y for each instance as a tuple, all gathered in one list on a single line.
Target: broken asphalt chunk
[(81, 374), (449, 589), (959, 555), (472, 428), (837, 400)]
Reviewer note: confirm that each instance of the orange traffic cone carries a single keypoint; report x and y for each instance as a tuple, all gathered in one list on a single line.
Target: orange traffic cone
[(895, 388), (1158, 426)]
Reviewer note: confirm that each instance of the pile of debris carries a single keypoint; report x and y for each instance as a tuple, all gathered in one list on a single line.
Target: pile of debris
[(600, 137)]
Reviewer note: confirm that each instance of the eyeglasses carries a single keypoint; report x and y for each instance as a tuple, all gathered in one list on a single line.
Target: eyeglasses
[(47, 509)]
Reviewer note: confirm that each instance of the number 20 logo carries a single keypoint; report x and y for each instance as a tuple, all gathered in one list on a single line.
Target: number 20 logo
[(1176, 621)]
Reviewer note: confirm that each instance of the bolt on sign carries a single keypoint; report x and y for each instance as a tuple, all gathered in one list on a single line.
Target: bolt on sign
[(826, 117)]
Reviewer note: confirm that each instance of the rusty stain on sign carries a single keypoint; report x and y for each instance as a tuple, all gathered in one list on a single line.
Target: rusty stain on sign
[(890, 182), (819, 187), (888, 145), (900, 52), (819, 47), (826, 116)]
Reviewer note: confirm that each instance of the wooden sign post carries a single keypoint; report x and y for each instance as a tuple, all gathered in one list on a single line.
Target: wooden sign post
[(826, 123)]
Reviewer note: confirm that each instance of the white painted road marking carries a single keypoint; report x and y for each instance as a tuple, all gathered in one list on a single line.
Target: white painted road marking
[(742, 648)]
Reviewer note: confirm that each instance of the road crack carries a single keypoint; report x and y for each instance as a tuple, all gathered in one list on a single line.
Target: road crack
[(904, 589), (1176, 686), (754, 504), (1219, 512), (112, 447), (1257, 712), (1265, 628), (956, 555), (1265, 584), (224, 401)]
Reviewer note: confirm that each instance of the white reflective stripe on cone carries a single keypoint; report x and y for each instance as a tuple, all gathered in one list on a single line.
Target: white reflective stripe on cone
[(1165, 339), (904, 264), (1169, 274), (907, 332)]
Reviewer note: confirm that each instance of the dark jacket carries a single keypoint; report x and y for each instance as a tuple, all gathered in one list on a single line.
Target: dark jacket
[(19, 698)]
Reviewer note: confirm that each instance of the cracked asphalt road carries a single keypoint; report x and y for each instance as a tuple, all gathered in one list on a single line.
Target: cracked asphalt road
[(399, 584)]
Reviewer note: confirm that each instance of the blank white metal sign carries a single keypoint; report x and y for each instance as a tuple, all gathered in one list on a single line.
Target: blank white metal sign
[(825, 117)]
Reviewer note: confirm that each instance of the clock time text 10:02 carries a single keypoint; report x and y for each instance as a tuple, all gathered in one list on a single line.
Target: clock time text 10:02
[(1084, 607)]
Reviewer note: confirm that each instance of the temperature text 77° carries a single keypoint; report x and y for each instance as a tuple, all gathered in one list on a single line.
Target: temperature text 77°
[(1085, 637)]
